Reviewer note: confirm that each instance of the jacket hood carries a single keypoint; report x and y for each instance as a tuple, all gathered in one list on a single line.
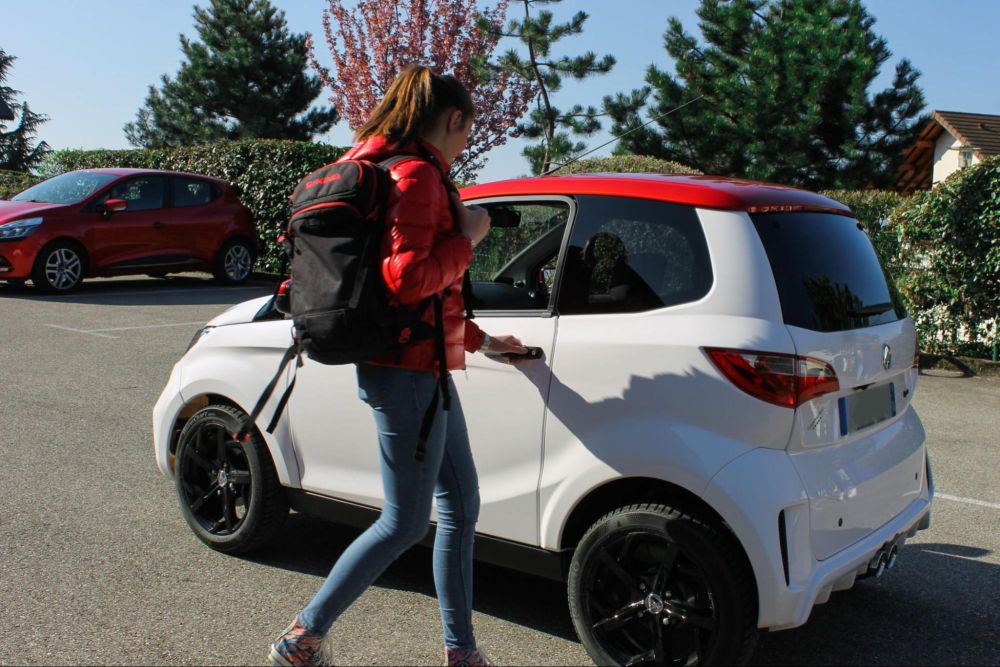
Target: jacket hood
[(376, 149), (15, 210)]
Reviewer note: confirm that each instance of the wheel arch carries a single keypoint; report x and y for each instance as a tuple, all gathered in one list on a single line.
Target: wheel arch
[(281, 456), (77, 244), (640, 490), (239, 235)]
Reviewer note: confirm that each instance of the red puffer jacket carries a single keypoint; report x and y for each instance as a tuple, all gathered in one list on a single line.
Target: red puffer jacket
[(423, 252)]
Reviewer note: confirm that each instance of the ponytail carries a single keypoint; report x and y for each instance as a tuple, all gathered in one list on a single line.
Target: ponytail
[(413, 103)]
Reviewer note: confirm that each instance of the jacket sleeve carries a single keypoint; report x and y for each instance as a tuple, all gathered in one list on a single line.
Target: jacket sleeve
[(473, 336), (418, 263)]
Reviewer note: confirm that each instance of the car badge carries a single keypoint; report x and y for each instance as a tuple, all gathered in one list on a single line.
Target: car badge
[(886, 357)]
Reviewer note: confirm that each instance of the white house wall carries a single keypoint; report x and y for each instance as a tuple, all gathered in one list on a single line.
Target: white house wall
[(946, 153)]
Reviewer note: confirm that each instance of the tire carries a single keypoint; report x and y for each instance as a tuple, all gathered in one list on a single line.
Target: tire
[(651, 585), (59, 267), (234, 263), (246, 510)]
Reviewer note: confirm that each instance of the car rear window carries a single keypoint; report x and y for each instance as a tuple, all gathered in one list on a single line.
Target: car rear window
[(828, 275)]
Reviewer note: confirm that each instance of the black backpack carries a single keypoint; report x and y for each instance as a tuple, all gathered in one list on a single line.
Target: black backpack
[(337, 299)]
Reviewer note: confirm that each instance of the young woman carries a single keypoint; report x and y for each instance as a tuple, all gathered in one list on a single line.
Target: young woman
[(427, 249)]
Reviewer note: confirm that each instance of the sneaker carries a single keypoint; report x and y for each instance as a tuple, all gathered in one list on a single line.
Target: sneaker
[(297, 647), (466, 658)]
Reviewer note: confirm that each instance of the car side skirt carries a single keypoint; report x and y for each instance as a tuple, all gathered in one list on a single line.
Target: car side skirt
[(494, 550)]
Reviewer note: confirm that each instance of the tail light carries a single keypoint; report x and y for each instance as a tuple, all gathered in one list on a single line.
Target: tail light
[(787, 380)]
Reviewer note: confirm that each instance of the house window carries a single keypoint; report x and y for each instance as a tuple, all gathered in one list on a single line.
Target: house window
[(964, 158)]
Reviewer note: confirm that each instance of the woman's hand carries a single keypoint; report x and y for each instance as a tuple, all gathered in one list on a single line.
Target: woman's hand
[(474, 221), (505, 344)]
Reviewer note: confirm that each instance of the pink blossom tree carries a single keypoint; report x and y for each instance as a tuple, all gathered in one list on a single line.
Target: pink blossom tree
[(373, 42)]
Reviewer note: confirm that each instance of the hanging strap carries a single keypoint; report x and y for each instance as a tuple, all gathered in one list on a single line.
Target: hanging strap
[(442, 390), (246, 427)]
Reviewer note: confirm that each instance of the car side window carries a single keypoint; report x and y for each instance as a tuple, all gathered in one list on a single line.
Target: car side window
[(630, 255), (191, 192), (513, 267), (142, 194)]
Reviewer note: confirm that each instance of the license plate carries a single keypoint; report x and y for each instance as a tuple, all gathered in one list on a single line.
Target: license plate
[(867, 408)]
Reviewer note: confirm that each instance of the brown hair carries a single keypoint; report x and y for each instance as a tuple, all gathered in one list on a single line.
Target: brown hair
[(413, 103)]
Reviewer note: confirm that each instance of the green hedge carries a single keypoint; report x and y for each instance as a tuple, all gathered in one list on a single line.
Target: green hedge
[(13, 182), (949, 250), (629, 164), (264, 171)]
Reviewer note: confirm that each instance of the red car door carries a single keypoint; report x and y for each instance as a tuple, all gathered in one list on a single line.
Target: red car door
[(133, 240), (197, 219)]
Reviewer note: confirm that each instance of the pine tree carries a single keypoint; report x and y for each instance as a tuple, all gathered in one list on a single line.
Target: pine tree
[(547, 122), (783, 88), (245, 78), (18, 148)]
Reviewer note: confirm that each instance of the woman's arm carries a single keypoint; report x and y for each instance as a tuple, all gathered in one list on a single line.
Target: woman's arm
[(419, 263)]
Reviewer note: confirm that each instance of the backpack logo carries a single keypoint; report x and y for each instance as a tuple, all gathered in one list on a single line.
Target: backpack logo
[(322, 181)]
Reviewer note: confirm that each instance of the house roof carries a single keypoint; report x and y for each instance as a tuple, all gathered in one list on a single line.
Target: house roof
[(980, 132)]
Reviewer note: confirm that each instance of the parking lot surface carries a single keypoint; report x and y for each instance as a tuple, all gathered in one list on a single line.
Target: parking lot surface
[(98, 567)]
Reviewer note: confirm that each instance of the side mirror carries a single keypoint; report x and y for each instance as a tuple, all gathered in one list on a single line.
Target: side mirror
[(111, 206), (502, 217)]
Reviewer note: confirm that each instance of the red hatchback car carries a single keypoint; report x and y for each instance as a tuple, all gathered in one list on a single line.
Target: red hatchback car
[(110, 222)]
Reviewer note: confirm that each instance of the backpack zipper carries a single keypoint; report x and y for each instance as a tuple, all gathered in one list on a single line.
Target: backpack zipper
[(316, 207)]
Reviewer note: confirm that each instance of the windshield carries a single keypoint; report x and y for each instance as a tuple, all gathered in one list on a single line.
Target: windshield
[(827, 273), (66, 188)]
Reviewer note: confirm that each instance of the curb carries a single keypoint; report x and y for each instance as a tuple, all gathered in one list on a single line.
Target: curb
[(967, 366)]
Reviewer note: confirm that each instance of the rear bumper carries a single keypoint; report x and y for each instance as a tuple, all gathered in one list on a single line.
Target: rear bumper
[(839, 572), (764, 502)]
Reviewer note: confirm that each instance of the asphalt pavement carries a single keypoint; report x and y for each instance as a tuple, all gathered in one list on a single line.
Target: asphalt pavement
[(98, 567)]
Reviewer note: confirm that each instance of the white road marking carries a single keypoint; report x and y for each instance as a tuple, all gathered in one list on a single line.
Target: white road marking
[(969, 501), (102, 294), (149, 326), (56, 326), (99, 332)]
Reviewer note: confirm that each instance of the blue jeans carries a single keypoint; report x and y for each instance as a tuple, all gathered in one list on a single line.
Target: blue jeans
[(447, 474)]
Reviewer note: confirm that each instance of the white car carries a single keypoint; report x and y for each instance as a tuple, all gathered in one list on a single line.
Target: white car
[(718, 435)]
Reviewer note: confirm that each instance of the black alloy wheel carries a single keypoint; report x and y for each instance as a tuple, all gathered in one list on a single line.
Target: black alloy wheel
[(649, 585), (228, 490)]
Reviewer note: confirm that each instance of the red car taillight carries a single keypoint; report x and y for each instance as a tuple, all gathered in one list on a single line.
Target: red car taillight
[(787, 380)]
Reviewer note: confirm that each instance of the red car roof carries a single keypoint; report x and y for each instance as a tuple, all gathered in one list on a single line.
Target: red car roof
[(702, 191), (123, 171)]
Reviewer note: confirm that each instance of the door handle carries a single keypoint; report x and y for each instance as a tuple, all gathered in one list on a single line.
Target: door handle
[(158, 225)]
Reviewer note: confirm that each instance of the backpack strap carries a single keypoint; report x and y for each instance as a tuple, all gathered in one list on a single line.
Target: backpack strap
[(243, 435), (442, 391)]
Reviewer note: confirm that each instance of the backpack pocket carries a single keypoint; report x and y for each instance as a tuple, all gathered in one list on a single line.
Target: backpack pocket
[(343, 336)]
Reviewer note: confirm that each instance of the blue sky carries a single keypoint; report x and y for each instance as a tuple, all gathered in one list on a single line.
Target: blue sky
[(88, 64)]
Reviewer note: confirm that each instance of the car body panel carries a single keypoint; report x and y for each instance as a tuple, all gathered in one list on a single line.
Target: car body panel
[(752, 492)]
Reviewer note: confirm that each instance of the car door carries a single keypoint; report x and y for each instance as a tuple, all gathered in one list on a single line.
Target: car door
[(133, 239), (504, 405), (194, 224)]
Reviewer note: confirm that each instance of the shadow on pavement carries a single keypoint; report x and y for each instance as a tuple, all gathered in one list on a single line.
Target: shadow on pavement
[(186, 290), (311, 546), (895, 620)]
